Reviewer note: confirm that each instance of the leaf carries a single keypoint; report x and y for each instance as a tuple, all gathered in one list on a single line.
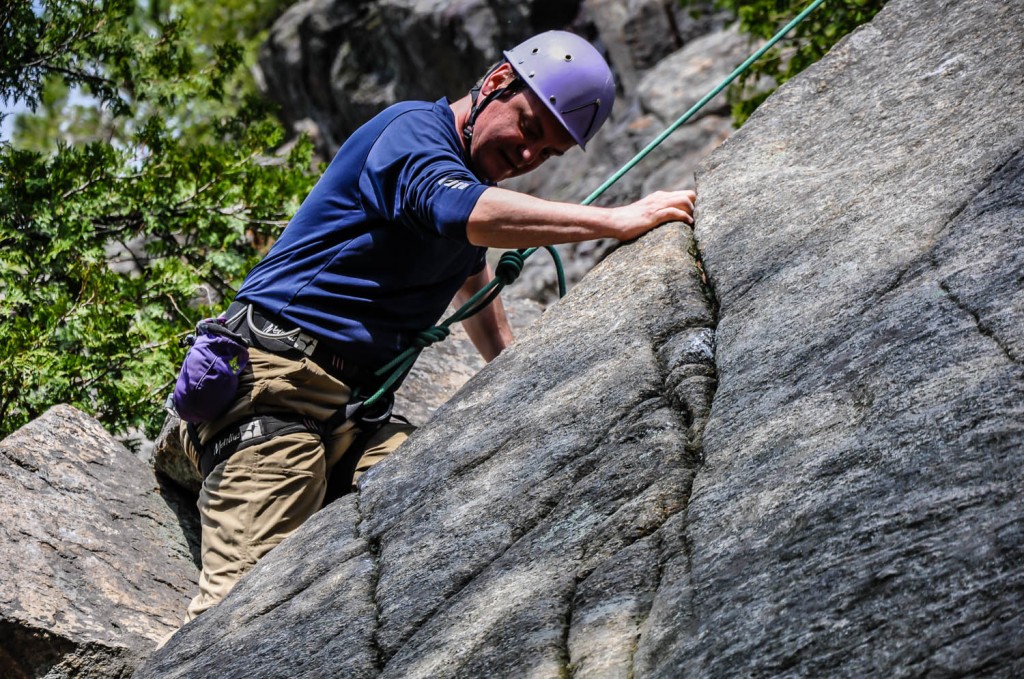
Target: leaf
[(125, 218), (804, 45)]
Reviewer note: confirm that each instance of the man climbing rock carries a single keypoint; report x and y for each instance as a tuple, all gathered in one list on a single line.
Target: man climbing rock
[(397, 227)]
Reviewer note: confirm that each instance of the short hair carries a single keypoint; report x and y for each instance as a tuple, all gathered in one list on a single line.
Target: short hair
[(514, 86)]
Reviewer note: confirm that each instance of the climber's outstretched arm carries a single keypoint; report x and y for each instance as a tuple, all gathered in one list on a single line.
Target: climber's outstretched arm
[(508, 219)]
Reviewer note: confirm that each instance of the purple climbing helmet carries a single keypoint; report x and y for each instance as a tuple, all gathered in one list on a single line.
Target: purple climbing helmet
[(570, 76)]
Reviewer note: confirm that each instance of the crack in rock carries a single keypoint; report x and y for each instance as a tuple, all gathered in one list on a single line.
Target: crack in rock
[(983, 327), (373, 549), (521, 534)]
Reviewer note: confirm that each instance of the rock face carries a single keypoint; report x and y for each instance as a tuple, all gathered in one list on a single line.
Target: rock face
[(95, 567), (443, 368), (852, 506), (789, 445), (859, 511)]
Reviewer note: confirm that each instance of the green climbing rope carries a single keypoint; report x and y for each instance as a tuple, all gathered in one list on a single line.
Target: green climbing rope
[(512, 262), (703, 102)]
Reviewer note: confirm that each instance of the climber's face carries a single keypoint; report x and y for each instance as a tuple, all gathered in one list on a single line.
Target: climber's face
[(515, 133)]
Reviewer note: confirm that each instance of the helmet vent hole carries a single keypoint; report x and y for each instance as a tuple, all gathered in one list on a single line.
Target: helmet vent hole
[(532, 73), (535, 50), (568, 57), (552, 99)]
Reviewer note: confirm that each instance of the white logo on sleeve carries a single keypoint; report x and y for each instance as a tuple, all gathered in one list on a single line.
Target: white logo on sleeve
[(452, 183)]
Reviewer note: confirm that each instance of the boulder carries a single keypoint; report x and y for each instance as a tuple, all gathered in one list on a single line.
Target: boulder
[(640, 33), (96, 569), (170, 460), (681, 79)]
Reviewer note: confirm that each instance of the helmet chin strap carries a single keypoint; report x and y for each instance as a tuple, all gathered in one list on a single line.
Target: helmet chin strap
[(480, 104)]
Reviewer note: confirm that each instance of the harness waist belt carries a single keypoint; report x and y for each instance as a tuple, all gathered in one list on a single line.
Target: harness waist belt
[(267, 333)]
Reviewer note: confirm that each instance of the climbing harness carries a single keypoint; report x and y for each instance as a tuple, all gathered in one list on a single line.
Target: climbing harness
[(511, 262), (246, 327)]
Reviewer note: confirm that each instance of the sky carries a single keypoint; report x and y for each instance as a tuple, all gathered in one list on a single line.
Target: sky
[(7, 126), (14, 107)]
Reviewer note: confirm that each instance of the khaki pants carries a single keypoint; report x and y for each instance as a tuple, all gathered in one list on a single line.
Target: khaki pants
[(257, 497)]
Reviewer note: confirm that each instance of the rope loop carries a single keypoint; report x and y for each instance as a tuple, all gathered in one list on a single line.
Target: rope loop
[(430, 336), (510, 266)]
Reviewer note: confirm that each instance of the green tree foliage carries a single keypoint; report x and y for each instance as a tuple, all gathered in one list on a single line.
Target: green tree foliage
[(244, 24), (126, 218), (804, 45)]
